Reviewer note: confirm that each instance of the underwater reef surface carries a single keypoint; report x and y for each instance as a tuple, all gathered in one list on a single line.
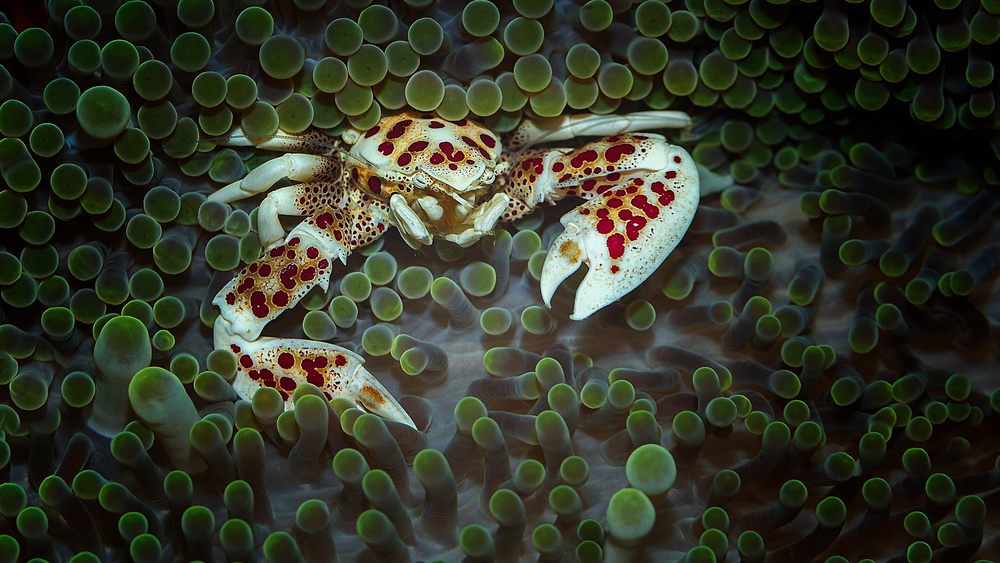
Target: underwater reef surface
[(810, 376)]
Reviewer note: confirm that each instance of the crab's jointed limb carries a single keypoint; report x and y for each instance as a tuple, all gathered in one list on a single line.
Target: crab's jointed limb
[(339, 220), (642, 194), (284, 363)]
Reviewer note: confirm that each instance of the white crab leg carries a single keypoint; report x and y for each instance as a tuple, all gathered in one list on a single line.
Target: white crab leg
[(567, 127), (286, 363), (311, 141), (276, 282), (298, 167)]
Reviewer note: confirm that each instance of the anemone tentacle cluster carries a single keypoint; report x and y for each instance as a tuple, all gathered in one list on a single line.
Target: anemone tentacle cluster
[(809, 377)]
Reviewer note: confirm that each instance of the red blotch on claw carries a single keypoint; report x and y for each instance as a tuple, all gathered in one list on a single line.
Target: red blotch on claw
[(615, 153), (584, 157), (616, 245), (642, 203)]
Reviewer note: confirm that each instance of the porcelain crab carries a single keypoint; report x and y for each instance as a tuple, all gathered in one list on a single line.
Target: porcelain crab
[(433, 178)]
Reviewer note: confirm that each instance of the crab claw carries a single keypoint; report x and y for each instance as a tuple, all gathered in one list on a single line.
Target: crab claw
[(624, 233), (285, 363)]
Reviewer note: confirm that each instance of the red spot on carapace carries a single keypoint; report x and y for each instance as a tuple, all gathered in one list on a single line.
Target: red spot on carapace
[(246, 361), (436, 125), (323, 264), (404, 159), (236, 349), (437, 158), (286, 360), (615, 269), (557, 167), (398, 129), (230, 298), (670, 175), (417, 146), (386, 148), (308, 274), (312, 253), (487, 140), (375, 184), (287, 383), (340, 361), (677, 159), (372, 132), (614, 203)]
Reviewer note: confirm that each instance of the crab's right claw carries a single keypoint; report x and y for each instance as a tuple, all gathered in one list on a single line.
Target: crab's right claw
[(624, 233)]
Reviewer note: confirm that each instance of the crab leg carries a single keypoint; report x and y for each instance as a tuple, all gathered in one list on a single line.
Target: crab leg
[(324, 190), (285, 363), (566, 127), (642, 192), (276, 282)]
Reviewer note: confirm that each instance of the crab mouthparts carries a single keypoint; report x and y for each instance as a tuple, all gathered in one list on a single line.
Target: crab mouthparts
[(461, 222)]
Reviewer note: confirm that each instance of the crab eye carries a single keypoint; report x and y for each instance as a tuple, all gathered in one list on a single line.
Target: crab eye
[(422, 180)]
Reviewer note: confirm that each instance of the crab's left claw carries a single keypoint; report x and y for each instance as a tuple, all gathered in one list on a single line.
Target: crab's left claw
[(624, 233)]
